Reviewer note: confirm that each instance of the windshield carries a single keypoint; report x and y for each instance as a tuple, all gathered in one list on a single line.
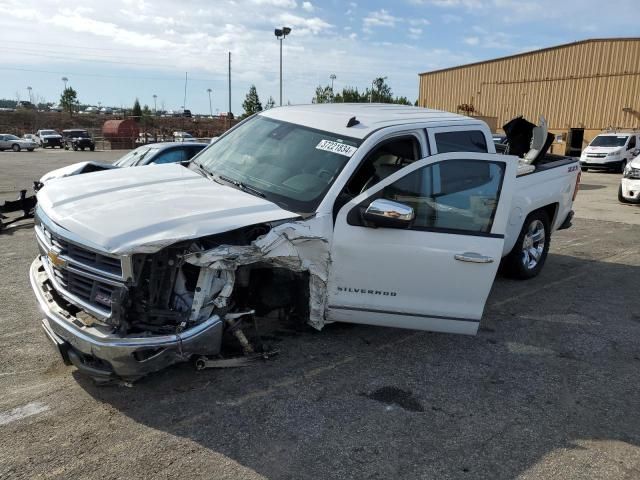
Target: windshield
[(135, 156), (290, 165), (48, 132), (609, 141), (12, 137), (77, 134)]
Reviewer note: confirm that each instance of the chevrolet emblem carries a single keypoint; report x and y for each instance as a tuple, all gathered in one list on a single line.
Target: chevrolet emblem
[(56, 260)]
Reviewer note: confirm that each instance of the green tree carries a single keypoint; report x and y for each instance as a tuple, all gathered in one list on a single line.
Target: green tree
[(251, 102), (350, 95), (136, 111), (69, 100), (323, 95), (381, 92), (402, 101), (270, 103)]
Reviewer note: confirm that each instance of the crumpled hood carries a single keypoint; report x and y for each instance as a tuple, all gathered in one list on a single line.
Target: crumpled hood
[(73, 169), (50, 136), (142, 210)]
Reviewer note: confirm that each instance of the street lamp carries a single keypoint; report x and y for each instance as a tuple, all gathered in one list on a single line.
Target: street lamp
[(30, 97), (332, 77), (281, 34), (210, 109), (155, 105), (65, 80)]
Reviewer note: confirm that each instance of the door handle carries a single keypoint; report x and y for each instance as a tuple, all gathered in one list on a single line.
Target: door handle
[(472, 257)]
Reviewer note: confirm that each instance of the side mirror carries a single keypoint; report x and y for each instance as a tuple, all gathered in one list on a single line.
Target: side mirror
[(389, 214), (636, 152)]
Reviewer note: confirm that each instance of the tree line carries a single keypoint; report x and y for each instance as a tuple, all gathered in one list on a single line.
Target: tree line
[(379, 92)]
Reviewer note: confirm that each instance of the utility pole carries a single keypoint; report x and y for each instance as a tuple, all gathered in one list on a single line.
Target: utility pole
[(184, 103), (155, 105), (30, 97), (210, 109), (371, 95), (281, 34), (229, 112)]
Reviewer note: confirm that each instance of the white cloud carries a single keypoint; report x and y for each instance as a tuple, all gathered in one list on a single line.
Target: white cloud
[(415, 32), (379, 18), (473, 41), (419, 21), (308, 6), (277, 3), (314, 25)]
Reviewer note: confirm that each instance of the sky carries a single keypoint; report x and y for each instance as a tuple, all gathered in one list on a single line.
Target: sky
[(115, 51)]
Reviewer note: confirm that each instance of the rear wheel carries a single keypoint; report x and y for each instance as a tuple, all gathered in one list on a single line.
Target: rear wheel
[(75, 148), (528, 255), (15, 147), (92, 148)]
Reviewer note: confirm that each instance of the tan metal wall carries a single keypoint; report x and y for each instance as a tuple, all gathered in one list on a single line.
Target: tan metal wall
[(582, 85)]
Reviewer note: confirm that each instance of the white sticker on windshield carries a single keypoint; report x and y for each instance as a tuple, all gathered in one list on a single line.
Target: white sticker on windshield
[(336, 147)]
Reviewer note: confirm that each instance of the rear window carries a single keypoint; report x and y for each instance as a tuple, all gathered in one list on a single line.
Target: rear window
[(462, 141)]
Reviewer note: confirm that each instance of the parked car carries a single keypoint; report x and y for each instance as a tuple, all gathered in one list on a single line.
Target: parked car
[(629, 189), (183, 137), (11, 142), (155, 153), (91, 110), (610, 151), (32, 137), (77, 139), (49, 138), (106, 111), (393, 216)]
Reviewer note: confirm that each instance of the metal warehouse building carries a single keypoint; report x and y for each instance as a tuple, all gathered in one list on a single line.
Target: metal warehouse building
[(581, 88)]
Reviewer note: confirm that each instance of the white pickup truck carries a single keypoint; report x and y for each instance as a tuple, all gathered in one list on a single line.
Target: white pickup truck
[(373, 214)]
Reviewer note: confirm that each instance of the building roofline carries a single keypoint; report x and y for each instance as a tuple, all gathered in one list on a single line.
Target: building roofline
[(532, 52)]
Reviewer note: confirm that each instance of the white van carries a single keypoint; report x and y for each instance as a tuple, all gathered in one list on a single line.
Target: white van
[(610, 151)]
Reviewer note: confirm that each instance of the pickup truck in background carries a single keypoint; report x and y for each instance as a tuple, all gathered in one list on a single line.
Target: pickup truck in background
[(363, 213)]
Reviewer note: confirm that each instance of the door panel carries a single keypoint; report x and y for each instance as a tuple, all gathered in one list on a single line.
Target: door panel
[(437, 274)]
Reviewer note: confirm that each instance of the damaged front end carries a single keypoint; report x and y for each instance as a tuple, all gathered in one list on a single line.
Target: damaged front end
[(127, 315)]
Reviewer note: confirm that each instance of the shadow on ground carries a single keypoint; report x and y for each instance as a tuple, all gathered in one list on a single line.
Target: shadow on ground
[(552, 365)]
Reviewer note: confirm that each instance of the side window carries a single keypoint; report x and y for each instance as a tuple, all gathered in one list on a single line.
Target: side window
[(171, 156), (632, 143), (192, 151), (451, 196), (461, 141)]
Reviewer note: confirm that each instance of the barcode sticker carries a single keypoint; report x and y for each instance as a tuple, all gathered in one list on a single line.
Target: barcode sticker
[(336, 147)]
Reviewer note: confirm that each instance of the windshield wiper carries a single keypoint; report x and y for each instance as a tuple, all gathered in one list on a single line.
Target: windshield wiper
[(242, 186)]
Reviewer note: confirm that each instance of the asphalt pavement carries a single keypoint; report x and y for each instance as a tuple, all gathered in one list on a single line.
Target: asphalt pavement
[(547, 389)]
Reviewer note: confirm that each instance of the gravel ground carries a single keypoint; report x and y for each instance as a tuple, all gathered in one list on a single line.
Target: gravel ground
[(547, 389)]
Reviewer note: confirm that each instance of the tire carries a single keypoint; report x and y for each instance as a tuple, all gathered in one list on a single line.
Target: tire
[(75, 148), (621, 198), (82, 148), (15, 147), (521, 263), (623, 164), (30, 149), (92, 148)]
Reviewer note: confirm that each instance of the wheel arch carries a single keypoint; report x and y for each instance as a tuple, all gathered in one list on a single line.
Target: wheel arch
[(550, 209)]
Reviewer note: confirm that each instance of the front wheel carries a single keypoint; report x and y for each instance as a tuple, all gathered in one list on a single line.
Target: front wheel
[(621, 198), (623, 164), (75, 148), (92, 148), (15, 147), (528, 255)]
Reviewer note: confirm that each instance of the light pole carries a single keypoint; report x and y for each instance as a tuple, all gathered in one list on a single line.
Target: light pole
[(281, 34), (155, 104), (210, 109), (371, 96), (30, 97), (332, 77), (65, 80)]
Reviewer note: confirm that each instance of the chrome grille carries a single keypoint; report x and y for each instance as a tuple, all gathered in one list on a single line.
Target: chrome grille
[(92, 291), (83, 256)]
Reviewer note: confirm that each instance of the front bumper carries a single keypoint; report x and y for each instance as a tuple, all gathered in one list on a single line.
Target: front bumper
[(52, 142), (99, 352), (630, 189), (601, 164)]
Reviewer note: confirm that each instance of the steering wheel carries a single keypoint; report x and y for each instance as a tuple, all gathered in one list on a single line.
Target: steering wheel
[(328, 174)]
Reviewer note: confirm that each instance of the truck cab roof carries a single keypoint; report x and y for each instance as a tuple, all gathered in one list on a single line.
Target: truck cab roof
[(334, 117)]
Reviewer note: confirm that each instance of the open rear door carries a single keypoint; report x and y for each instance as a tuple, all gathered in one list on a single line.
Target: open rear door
[(433, 272)]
